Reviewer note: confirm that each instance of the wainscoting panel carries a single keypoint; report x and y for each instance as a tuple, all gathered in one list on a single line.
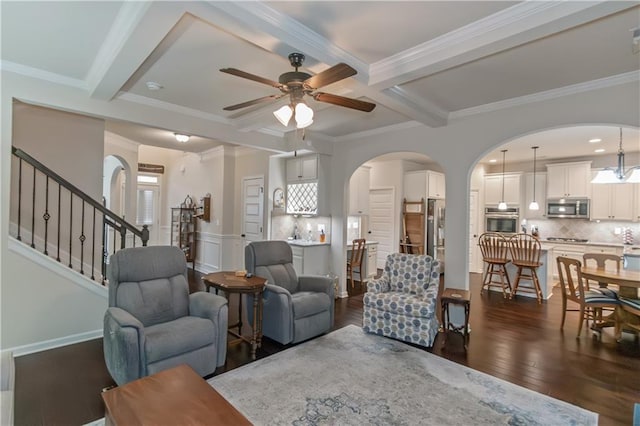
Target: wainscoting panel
[(217, 252)]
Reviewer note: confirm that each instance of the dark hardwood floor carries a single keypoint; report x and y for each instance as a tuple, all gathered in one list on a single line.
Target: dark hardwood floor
[(515, 340)]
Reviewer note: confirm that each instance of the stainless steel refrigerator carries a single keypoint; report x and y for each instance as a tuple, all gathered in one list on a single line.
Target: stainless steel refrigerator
[(435, 230)]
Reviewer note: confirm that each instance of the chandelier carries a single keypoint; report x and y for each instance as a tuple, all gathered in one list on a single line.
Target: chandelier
[(618, 174)]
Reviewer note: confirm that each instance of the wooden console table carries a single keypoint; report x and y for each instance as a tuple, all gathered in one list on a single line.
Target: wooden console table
[(178, 396), (228, 282)]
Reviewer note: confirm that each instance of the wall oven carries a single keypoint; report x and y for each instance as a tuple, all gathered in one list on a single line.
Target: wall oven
[(576, 208), (502, 221)]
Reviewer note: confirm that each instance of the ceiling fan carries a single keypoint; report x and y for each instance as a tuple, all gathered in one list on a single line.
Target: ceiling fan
[(296, 84)]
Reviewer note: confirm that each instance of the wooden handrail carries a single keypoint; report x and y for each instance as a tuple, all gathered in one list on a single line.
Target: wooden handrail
[(143, 233)]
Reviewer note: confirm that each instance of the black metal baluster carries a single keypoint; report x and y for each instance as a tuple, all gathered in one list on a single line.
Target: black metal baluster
[(70, 227), (59, 216), (19, 197), (114, 241), (46, 217), (33, 211), (123, 237), (82, 238), (105, 249), (93, 245)]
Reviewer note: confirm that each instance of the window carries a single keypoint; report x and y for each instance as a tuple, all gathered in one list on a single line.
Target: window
[(147, 179), (146, 206)]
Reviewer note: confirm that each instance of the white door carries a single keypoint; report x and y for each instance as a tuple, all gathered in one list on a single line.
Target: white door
[(253, 202), (148, 204), (473, 232), (381, 223)]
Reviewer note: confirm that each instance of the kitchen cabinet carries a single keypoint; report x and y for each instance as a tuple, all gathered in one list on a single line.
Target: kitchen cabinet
[(566, 250), (512, 189), (636, 202), (312, 259), (359, 192), (569, 180), (435, 185), (425, 184), (540, 196), (612, 201), (302, 168)]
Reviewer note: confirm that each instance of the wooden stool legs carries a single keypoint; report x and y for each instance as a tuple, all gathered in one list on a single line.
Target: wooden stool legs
[(533, 276), (500, 270)]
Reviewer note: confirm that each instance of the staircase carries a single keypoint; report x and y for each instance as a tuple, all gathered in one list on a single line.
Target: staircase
[(54, 217)]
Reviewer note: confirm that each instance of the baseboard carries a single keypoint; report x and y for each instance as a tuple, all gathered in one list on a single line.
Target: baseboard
[(55, 343)]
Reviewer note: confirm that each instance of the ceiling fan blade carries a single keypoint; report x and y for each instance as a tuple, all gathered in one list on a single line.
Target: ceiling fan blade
[(253, 102), (330, 75), (243, 74), (344, 102)]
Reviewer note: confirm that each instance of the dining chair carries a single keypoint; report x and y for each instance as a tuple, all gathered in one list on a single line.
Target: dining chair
[(601, 261), (355, 262), (525, 252), (495, 254), (573, 288)]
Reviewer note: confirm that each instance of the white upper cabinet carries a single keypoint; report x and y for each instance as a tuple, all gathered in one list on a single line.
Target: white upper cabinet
[(435, 182), (359, 192), (423, 184), (540, 196), (302, 168), (568, 180), (512, 188), (612, 201)]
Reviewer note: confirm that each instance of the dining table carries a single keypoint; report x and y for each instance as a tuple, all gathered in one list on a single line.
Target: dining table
[(629, 283)]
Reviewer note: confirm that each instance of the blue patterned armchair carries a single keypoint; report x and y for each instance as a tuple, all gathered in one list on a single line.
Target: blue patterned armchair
[(402, 304)]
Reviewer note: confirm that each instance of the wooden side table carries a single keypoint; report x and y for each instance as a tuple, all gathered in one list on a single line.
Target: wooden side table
[(228, 282), (456, 296), (178, 396)]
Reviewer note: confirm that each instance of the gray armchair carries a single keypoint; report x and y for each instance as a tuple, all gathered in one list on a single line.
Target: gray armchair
[(295, 308), (153, 323)]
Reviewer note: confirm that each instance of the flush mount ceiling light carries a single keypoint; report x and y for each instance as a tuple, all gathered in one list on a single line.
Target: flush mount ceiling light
[(182, 138), (618, 174), (534, 204), (502, 205), (152, 85), (595, 140)]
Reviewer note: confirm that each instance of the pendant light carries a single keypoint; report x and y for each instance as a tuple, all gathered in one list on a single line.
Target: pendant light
[(534, 204), (619, 174), (502, 205)]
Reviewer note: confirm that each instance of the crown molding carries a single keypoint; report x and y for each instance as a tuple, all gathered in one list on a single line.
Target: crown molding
[(629, 77), (420, 104), (210, 154), (167, 106), (121, 142), (516, 25), (42, 75)]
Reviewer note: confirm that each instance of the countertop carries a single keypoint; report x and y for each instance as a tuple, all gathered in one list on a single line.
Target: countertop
[(306, 243), (628, 249)]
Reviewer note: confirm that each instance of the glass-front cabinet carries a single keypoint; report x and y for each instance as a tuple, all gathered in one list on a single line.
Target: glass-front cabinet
[(183, 231)]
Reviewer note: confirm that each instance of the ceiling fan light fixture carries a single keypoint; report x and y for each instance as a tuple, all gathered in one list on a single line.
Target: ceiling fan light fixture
[(182, 138), (284, 114), (304, 115)]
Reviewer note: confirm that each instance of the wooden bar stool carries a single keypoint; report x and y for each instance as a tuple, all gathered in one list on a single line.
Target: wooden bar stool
[(495, 254), (455, 296), (525, 255), (355, 263)]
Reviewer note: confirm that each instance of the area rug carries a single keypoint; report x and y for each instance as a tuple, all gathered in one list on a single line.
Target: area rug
[(349, 377)]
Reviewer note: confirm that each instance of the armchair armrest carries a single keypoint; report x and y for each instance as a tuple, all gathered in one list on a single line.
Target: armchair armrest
[(277, 313), (316, 283), (124, 343), (380, 285), (214, 308)]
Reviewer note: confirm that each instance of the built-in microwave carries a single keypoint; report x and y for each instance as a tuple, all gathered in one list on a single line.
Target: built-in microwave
[(569, 208), (502, 221)]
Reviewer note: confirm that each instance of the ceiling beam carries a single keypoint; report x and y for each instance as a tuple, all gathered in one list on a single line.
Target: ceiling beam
[(522, 23)]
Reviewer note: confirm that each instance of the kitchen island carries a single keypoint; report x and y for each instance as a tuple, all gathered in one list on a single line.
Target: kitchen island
[(545, 277), (369, 260)]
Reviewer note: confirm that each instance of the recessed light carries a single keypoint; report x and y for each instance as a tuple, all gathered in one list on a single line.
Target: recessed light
[(182, 138), (152, 85), (493, 160), (595, 140), (599, 150)]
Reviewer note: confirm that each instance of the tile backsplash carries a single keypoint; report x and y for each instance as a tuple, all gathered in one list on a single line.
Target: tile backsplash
[(285, 226), (594, 231)]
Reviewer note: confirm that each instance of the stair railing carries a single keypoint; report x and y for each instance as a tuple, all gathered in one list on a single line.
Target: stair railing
[(72, 214)]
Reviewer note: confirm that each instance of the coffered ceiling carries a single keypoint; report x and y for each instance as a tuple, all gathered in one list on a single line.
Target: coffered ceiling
[(427, 62)]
